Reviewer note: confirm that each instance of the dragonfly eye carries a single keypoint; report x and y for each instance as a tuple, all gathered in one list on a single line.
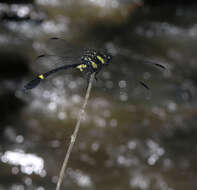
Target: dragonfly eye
[(109, 57)]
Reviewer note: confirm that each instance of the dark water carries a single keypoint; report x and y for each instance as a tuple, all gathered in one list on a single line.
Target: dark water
[(131, 138)]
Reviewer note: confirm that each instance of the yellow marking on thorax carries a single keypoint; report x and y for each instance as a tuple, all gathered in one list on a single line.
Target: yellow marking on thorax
[(94, 65), (100, 59), (81, 67), (41, 77)]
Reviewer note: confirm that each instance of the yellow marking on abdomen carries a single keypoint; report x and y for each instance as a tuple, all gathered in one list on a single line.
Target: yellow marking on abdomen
[(81, 67), (94, 65), (41, 77), (100, 59)]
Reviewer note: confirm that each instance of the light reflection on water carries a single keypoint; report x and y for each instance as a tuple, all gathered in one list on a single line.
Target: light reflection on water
[(155, 152), (29, 163), (80, 178), (49, 27)]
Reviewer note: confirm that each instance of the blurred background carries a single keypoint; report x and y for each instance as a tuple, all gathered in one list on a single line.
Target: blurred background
[(131, 138)]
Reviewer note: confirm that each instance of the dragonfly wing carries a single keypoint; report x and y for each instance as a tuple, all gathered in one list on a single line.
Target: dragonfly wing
[(149, 62), (45, 62), (144, 85), (61, 47), (58, 52)]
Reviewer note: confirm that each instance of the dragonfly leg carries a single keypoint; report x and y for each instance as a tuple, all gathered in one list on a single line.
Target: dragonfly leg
[(96, 78)]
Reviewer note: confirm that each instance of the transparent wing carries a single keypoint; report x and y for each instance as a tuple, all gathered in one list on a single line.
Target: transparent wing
[(148, 62), (58, 52), (61, 47), (46, 62), (144, 68)]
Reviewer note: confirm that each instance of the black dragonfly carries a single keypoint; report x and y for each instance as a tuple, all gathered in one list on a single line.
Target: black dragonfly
[(87, 60)]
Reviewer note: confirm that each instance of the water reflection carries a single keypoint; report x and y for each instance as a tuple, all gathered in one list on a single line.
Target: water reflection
[(80, 178), (29, 163), (155, 152)]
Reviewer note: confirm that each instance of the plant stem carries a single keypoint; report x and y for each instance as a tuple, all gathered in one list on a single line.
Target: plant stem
[(74, 135)]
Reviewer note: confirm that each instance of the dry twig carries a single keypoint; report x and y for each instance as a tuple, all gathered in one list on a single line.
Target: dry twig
[(74, 135)]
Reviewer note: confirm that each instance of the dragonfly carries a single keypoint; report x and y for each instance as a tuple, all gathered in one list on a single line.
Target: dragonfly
[(86, 60)]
